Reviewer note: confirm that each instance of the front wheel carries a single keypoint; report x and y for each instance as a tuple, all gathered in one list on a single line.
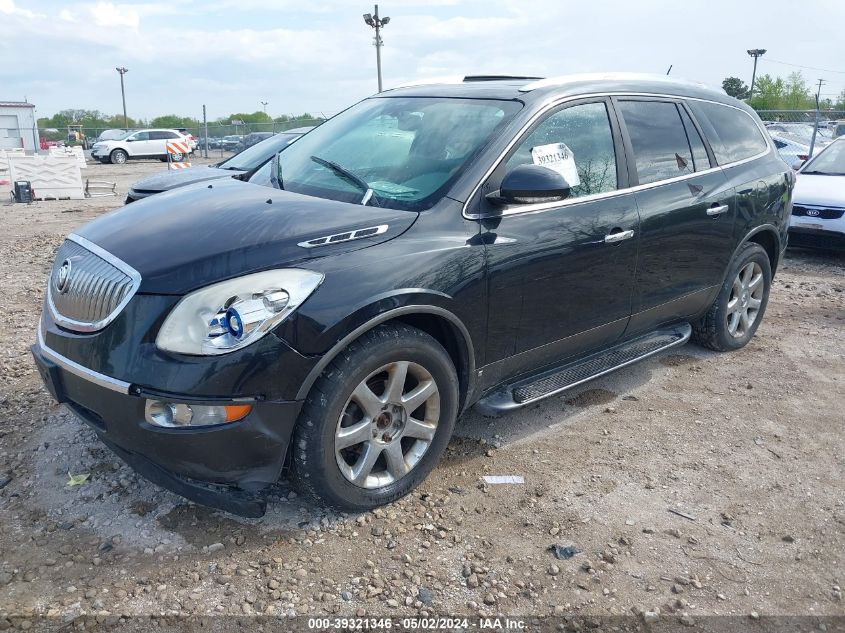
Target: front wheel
[(377, 420), (118, 157), (739, 307)]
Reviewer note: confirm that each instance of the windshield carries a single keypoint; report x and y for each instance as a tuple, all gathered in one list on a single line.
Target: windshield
[(120, 136), (408, 150), (831, 162), (259, 153)]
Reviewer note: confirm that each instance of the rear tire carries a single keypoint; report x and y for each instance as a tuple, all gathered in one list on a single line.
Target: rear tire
[(377, 420), (118, 157), (741, 303)]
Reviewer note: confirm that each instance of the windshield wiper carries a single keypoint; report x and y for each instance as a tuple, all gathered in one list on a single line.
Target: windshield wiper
[(821, 173), (349, 176)]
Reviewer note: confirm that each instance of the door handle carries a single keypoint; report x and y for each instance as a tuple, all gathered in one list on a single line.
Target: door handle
[(717, 210), (618, 237)]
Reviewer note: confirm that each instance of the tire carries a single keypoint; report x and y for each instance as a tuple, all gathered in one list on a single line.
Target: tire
[(741, 303), (367, 366), (118, 157)]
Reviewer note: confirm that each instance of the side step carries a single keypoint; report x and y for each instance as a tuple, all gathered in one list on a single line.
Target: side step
[(563, 377)]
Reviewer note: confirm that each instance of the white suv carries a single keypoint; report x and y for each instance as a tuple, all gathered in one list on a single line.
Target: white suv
[(138, 144)]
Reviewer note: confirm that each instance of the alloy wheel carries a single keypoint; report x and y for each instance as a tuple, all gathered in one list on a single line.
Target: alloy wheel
[(745, 299), (387, 425)]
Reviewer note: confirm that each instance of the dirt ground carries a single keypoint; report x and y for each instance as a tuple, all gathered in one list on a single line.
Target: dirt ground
[(691, 485)]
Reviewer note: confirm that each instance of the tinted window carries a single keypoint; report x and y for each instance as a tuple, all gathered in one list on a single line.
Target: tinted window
[(158, 135), (699, 153), (732, 133), (585, 130), (659, 140), (142, 136)]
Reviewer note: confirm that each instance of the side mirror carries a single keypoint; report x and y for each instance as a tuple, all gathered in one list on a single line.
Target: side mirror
[(797, 163), (130, 140), (531, 184)]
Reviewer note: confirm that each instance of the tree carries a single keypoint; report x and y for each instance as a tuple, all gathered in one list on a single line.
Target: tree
[(797, 95), (173, 121), (735, 87), (769, 93)]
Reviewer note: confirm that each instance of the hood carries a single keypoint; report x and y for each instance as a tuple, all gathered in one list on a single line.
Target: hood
[(167, 180), (826, 191), (200, 234)]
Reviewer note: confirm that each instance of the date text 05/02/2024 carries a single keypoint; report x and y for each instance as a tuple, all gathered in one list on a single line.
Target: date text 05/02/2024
[(417, 624)]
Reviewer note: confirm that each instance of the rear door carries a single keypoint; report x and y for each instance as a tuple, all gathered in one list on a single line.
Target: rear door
[(159, 139), (686, 207)]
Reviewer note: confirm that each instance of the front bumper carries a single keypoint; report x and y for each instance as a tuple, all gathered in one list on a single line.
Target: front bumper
[(224, 466), (816, 238)]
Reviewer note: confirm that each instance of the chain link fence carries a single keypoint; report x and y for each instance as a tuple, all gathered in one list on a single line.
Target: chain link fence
[(799, 134)]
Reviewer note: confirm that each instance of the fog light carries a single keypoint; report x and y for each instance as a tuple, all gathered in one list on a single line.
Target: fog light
[(179, 415)]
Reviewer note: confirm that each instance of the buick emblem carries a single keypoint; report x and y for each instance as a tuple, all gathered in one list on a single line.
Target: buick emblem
[(63, 277), (812, 212)]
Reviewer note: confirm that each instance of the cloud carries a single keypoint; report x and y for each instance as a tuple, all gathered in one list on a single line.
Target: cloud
[(109, 14), (318, 56), (8, 7)]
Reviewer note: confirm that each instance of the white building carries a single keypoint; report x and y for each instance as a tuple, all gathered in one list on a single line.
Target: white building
[(17, 126)]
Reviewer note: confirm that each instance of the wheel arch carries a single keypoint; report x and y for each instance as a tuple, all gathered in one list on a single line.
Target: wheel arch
[(440, 323), (766, 235)]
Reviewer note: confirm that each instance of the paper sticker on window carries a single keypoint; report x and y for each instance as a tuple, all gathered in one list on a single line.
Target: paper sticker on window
[(559, 157)]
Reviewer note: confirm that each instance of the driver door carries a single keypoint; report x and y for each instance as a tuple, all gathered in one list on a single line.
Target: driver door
[(561, 274), (139, 144)]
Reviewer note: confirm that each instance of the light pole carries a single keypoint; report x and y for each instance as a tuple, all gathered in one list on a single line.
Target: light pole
[(122, 72), (264, 105), (755, 53), (377, 23)]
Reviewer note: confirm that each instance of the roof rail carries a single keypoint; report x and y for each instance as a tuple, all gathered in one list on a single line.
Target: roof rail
[(614, 76), (470, 78)]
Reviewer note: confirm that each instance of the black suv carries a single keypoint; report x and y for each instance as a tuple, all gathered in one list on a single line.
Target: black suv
[(490, 242)]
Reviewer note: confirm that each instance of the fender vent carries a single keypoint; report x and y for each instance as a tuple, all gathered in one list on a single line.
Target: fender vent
[(347, 236)]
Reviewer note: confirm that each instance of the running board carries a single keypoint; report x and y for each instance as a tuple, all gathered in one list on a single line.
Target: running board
[(558, 379)]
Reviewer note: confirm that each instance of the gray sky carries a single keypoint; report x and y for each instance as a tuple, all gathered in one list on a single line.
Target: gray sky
[(318, 56)]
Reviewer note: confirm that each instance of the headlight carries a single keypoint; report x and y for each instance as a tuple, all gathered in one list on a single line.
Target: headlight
[(233, 314)]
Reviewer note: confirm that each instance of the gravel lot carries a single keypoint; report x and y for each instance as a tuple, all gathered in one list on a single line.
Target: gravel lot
[(691, 485)]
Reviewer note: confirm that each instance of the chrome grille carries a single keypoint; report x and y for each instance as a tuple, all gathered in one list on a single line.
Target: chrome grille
[(88, 286)]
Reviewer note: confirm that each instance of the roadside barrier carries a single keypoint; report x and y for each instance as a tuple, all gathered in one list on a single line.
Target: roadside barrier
[(175, 148)]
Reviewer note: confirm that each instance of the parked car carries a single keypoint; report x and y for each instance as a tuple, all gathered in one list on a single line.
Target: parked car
[(818, 212), (135, 145), (487, 243), (254, 137), (192, 141), (791, 151), (240, 163), (231, 143)]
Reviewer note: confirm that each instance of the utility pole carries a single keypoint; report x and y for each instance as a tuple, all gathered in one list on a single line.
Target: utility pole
[(755, 53), (818, 116), (264, 105), (373, 20), (122, 72), (205, 129)]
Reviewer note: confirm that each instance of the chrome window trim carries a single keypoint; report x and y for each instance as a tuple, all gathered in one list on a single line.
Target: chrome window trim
[(554, 102), (126, 269), (101, 380)]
